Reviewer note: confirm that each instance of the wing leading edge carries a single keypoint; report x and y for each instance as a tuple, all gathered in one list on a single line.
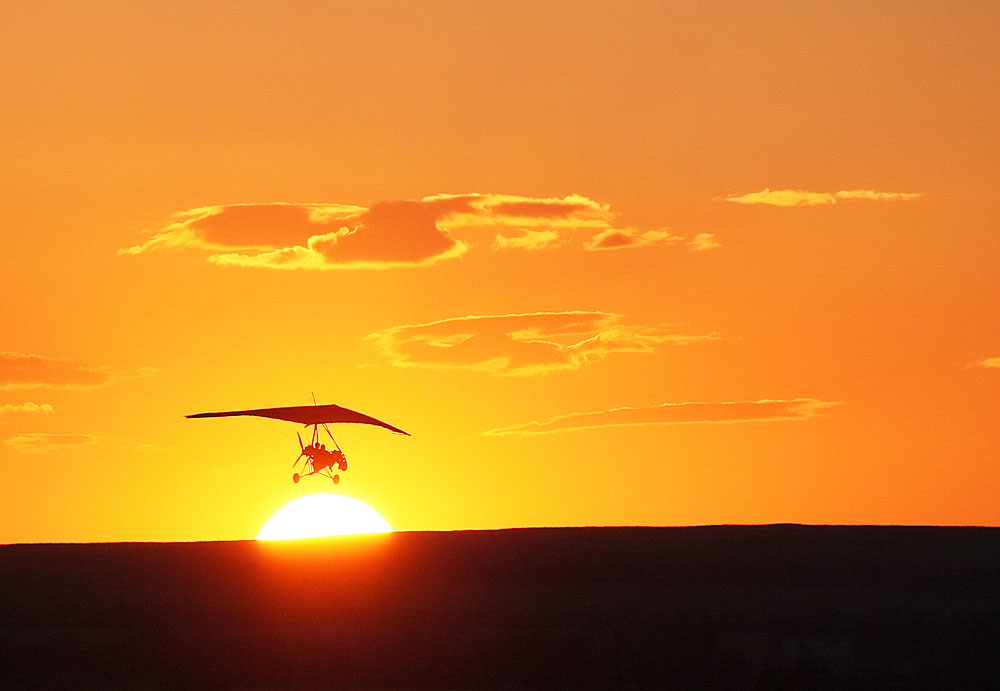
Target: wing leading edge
[(308, 415)]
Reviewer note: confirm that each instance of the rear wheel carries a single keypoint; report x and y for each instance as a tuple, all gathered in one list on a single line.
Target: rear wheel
[(295, 478), (336, 479)]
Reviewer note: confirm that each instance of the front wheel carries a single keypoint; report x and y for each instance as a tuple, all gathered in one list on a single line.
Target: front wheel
[(295, 478)]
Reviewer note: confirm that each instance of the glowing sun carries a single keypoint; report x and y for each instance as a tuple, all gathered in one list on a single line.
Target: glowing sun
[(322, 515)]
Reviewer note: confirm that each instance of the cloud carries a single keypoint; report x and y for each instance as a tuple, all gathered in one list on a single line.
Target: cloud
[(25, 408), (310, 236), (988, 363), (391, 233), (248, 226), (527, 240), (688, 413), (522, 344), (24, 371), (801, 198), (624, 238), (43, 443), (703, 241)]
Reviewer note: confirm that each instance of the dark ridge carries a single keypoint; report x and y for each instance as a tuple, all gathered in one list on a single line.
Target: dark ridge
[(741, 607)]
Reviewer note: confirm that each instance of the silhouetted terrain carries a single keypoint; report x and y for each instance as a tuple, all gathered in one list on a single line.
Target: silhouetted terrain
[(722, 607)]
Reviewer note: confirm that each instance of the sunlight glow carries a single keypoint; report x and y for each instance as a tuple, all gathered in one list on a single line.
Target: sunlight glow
[(322, 515)]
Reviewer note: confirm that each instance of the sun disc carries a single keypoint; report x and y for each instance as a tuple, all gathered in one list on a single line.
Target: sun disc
[(323, 515)]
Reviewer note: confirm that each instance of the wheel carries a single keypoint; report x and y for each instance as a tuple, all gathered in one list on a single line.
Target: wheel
[(295, 478), (336, 479)]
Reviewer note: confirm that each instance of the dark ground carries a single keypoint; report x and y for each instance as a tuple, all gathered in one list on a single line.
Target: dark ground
[(739, 607)]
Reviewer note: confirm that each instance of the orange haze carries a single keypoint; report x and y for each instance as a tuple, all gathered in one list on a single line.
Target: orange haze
[(608, 263)]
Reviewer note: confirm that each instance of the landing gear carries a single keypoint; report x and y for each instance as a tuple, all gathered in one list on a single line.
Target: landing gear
[(325, 473), (319, 460)]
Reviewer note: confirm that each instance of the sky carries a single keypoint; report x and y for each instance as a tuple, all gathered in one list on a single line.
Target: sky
[(608, 263)]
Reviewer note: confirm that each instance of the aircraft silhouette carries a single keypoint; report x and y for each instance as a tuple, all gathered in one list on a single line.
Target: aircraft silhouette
[(319, 460)]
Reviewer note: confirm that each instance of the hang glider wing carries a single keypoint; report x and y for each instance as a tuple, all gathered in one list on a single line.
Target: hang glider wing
[(309, 415)]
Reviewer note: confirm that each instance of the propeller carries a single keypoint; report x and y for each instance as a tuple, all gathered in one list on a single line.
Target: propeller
[(302, 451)]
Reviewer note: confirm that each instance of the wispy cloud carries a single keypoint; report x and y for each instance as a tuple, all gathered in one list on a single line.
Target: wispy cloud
[(802, 198), (392, 233), (626, 238), (43, 443), (703, 241), (522, 344), (25, 408), (25, 371), (527, 240), (988, 363), (688, 413)]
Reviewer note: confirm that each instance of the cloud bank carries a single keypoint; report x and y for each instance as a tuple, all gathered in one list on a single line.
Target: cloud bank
[(988, 363), (25, 371), (392, 233), (688, 413), (522, 344), (802, 198)]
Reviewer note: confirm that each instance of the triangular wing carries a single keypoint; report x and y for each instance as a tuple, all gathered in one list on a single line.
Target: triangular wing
[(309, 415)]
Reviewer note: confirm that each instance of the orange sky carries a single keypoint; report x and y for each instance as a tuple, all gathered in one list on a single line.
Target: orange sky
[(608, 263)]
